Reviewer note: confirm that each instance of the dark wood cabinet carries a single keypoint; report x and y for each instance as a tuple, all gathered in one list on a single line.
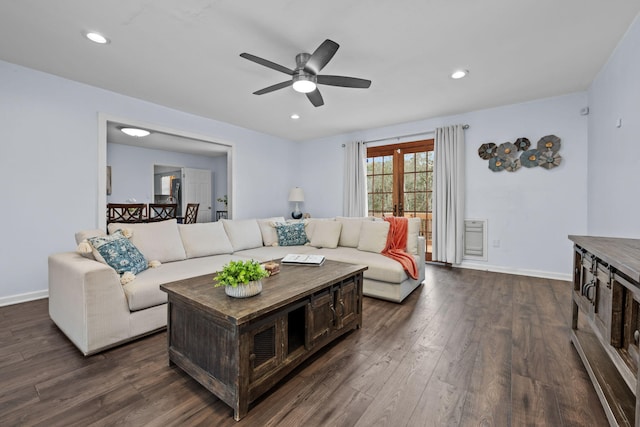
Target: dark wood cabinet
[(240, 348), (606, 321)]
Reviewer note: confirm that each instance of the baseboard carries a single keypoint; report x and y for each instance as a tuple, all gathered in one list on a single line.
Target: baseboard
[(29, 296), (517, 271)]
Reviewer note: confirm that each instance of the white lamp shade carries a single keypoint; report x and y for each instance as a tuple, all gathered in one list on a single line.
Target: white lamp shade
[(296, 195)]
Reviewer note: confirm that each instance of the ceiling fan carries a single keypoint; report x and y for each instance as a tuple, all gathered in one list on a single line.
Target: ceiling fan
[(305, 77)]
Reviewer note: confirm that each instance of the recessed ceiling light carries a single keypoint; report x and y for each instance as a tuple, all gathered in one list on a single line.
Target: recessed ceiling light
[(458, 74), (96, 37), (295, 116), (138, 133)]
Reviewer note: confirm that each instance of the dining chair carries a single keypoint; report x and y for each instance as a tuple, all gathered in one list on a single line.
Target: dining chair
[(162, 211), (191, 213), (126, 212)]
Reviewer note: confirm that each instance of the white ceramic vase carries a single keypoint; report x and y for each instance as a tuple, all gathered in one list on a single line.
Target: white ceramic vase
[(244, 291)]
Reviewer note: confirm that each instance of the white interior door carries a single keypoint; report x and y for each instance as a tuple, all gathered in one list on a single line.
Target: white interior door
[(196, 188)]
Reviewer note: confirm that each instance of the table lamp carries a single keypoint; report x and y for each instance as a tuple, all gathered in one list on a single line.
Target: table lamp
[(296, 195)]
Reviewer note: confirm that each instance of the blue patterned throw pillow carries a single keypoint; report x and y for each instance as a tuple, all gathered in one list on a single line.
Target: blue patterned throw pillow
[(119, 253), (291, 234)]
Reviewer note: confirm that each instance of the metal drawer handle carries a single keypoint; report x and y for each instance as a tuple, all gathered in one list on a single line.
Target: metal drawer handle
[(636, 336)]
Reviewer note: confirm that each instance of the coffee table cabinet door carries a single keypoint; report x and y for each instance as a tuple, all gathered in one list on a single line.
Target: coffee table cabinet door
[(265, 353), (321, 316), (347, 305)]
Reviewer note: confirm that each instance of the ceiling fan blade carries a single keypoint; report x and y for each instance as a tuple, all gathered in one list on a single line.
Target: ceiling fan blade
[(321, 56), (315, 98), (344, 81), (274, 87), (267, 63)]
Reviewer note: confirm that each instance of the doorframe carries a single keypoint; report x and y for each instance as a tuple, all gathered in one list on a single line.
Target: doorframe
[(103, 118)]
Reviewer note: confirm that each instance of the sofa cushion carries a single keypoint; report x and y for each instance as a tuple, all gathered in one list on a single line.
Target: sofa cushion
[(119, 253), (350, 233), (373, 236), (144, 291), (380, 267), (291, 234), (156, 240), (243, 234), (311, 223), (268, 230), (204, 239), (326, 234)]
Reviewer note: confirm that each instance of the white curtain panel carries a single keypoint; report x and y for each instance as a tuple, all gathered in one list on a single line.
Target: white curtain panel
[(355, 179), (448, 194)]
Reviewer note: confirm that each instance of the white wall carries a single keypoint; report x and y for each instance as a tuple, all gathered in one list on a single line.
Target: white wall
[(49, 157), (531, 211), (614, 153)]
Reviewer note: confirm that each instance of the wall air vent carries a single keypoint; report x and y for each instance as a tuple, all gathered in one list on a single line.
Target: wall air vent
[(475, 239)]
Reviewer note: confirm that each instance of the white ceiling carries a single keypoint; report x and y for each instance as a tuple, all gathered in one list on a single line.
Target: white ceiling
[(185, 54)]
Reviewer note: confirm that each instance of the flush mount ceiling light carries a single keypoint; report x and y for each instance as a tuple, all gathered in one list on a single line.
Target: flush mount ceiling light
[(458, 74), (138, 133), (96, 37), (295, 116)]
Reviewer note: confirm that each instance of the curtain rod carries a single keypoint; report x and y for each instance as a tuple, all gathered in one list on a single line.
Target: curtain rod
[(408, 135), (404, 136)]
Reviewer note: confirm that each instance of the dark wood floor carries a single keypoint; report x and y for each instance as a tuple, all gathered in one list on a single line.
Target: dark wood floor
[(468, 348)]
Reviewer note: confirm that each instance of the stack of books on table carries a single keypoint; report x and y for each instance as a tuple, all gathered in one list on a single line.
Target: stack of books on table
[(294, 259)]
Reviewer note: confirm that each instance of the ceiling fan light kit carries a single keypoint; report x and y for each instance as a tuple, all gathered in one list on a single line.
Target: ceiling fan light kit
[(304, 82), (305, 77)]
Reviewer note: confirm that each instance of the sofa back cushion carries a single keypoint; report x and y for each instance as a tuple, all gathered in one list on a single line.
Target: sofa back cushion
[(326, 234), (243, 233), (310, 225), (204, 239), (156, 240), (350, 233), (373, 236), (268, 230)]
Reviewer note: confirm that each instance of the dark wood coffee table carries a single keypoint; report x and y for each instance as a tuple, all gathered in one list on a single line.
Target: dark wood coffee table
[(240, 348)]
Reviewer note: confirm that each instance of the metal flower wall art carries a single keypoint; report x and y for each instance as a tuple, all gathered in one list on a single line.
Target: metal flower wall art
[(511, 156)]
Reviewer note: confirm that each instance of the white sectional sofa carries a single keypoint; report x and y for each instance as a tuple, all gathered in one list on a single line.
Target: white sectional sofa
[(90, 305)]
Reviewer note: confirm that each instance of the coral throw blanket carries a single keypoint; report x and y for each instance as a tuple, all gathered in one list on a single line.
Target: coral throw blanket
[(396, 242)]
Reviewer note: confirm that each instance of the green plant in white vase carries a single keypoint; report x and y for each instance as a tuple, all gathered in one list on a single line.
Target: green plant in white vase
[(241, 278)]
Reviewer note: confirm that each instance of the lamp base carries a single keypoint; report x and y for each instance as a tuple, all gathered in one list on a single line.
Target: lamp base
[(295, 215)]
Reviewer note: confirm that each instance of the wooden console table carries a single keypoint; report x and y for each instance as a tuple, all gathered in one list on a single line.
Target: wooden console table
[(606, 294), (240, 348)]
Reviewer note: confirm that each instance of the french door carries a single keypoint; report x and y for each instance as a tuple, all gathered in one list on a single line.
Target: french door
[(399, 183)]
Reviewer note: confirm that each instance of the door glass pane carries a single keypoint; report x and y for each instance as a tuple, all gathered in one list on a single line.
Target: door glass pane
[(377, 202), (421, 202), (388, 165), (388, 204), (377, 184), (388, 183), (409, 202), (409, 182), (421, 162), (409, 162)]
